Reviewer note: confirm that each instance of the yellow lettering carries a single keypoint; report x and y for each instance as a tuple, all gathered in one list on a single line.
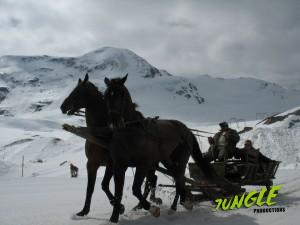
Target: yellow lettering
[(259, 201), (218, 202), (250, 196), (224, 206), (237, 202), (248, 199), (272, 194)]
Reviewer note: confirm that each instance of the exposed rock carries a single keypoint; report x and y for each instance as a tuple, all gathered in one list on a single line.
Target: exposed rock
[(3, 93), (246, 129), (293, 123), (152, 72), (188, 90), (36, 107), (45, 70), (68, 62), (5, 112), (276, 118), (18, 142), (33, 82)]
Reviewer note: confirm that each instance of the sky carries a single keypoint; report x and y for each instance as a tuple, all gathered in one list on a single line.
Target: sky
[(224, 38)]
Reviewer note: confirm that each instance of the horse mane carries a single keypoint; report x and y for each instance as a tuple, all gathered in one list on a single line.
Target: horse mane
[(135, 105), (95, 88)]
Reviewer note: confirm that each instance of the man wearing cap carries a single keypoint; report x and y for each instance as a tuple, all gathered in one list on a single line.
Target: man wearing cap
[(222, 145)]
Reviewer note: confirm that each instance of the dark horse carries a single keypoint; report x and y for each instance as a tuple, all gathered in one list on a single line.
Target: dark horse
[(86, 95), (143, 144)]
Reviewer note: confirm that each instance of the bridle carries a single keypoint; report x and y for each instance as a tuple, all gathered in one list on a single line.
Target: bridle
[(79, 113)]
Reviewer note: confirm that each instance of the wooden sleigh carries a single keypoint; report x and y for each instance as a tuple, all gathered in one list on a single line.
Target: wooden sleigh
[(224, 183)]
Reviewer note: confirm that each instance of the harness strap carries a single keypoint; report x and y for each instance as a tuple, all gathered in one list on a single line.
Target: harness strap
[(201, 131)]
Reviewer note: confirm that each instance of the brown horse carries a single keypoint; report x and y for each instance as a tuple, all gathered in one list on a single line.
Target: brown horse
[(86, 95), (143, 144)]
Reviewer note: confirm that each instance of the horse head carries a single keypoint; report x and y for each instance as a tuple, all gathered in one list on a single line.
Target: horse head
[(79, 97), (118, 101)]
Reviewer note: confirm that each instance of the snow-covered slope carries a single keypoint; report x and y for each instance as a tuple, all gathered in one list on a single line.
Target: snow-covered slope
[(36, 84), (279, 140)]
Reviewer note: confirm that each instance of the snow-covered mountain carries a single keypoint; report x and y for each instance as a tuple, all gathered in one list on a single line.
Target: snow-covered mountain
[(36, 86)]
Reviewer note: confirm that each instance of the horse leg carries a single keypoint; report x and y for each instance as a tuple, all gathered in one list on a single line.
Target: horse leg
[(178, 171), (180, 185), (181, 157), (152, 183), (139, 177), (175, 202), (105, 185), (119, 177), (92, 174), (150, 186), (179, 189)]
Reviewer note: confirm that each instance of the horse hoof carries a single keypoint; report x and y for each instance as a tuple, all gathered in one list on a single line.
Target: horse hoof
[(188, 205), (155, 211), (82, 213), (76, 217), (114, 219), (111, 223), (137, 207), (122, 209)]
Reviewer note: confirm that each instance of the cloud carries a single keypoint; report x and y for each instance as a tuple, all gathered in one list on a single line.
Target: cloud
[(256, 38)]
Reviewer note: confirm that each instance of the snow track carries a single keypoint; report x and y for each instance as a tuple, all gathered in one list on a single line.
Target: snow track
[(50, 201)]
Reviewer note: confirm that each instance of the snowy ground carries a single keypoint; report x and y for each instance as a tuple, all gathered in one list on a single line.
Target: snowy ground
[(51, 201)]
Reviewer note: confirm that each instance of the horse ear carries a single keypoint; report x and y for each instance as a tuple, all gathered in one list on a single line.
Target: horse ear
[(86, 78), (106, 81), (79, 81), (123, 80)]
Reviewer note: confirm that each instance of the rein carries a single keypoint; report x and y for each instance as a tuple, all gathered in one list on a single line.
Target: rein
[(81, 114), (200, 131), (196, 132)]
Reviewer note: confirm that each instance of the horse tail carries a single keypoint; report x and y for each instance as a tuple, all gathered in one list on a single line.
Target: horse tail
[(201, 162)]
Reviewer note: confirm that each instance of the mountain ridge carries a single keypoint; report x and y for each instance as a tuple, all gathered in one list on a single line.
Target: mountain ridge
[(43, 82)]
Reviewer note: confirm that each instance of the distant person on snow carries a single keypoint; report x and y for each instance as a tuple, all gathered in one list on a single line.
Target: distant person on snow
[(74, 170), (223, 144)]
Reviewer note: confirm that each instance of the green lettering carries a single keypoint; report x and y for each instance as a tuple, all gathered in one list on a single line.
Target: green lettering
[(250, 196), (259, 201), (224, 206), (237, 202), (272, 194), (218, 202)]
